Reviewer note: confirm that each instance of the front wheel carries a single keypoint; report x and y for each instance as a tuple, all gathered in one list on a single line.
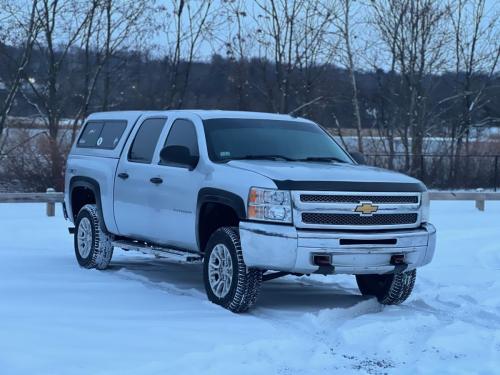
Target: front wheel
[(228, 281), (93, 248), (390, 289)]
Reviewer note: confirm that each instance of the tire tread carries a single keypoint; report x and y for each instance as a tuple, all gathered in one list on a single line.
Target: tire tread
[(394, 292), (102, 249), (248, 280)]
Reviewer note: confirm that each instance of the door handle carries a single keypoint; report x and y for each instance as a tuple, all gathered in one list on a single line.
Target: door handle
[(123, 175), (156, 180)]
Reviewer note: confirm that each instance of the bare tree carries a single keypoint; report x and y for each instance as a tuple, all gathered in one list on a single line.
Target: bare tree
[(237, 43), (61, 25), (345, 26), (276, 28), (190, 23), (414, 33), (476, 53), (292, 35), (315, 49), (113, 25), (26, 28)]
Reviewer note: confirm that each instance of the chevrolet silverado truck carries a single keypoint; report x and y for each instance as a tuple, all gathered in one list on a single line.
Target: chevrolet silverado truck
[(253, 196)]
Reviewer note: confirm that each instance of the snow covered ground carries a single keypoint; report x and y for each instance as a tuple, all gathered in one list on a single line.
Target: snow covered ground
[(146, 316)]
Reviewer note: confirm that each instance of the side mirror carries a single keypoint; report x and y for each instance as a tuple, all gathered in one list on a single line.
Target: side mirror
[(178, 155), (358, 157)]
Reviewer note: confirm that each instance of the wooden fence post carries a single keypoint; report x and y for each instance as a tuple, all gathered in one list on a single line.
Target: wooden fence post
[(51, 206), (480, 200), (480, 205)]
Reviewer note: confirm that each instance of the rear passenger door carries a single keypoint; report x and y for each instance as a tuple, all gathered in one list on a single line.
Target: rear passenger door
[(134, 189)]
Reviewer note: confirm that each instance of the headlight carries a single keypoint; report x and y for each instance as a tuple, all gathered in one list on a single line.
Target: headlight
[(425, 207), (269, 205)]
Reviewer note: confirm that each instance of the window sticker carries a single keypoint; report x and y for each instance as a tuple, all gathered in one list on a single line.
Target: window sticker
[(225, 154)]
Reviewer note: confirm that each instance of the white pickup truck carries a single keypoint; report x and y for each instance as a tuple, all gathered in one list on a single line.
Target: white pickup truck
[(254, 196)]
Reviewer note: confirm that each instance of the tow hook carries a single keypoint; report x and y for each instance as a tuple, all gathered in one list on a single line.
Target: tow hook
[(398, 261), (324, 261)]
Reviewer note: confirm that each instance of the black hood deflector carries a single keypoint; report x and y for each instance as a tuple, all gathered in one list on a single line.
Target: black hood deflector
[(351, 186)]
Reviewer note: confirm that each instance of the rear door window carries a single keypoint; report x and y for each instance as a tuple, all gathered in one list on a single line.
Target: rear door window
[(102, 134), (145, 141)]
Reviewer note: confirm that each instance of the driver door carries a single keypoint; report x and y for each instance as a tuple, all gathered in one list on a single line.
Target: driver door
[(173, 213)]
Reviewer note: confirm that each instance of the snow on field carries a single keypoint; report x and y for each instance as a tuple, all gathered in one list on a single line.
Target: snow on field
[(146, 316)]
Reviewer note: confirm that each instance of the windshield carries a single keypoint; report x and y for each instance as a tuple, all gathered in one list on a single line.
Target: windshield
[(230, 139)]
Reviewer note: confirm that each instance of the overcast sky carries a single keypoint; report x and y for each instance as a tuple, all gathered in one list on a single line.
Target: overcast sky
[(364, 37)]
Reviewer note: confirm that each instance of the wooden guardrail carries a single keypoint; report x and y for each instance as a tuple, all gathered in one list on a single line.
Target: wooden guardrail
[(479, 196), (51, 197)]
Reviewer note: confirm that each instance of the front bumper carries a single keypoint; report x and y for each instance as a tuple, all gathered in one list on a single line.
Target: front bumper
[(285, 248)]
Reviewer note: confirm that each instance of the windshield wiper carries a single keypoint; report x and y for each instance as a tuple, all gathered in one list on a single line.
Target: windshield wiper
[(282, 157), (323, 158), (262, 157)]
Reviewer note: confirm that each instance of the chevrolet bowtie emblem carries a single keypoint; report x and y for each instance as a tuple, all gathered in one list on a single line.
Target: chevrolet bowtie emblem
[(366, 208)]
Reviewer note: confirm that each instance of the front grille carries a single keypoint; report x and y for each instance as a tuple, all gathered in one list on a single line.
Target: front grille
[(324, 198), (337, 210), (354, 219)]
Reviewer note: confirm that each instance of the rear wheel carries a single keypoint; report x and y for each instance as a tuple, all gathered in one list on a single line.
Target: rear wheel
[(228, 281), (390, 289), (93, 248)]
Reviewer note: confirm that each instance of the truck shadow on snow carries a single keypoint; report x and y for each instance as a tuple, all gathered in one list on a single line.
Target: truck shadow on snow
[(289, 293)]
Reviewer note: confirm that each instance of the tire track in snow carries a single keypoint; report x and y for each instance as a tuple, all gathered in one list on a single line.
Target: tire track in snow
[(160, 285)]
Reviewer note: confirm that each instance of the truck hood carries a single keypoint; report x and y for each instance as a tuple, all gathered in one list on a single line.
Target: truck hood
[(330, 176)]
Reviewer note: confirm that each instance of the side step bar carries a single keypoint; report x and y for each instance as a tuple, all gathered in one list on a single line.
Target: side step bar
[(158, 251)]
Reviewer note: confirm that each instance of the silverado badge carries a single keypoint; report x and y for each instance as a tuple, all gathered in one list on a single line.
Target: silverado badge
[(366, 208)]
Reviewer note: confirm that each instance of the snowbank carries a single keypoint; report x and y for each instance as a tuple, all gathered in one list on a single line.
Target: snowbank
[(146, 316)]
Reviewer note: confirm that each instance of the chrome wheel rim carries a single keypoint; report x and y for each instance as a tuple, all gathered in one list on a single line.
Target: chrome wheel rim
[(84, 237), (220, 270)]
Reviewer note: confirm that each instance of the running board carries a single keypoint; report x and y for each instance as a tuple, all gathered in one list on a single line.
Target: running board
[(158, 251)]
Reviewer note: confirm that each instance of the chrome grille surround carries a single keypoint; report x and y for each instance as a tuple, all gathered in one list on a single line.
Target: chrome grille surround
[(336, 210)]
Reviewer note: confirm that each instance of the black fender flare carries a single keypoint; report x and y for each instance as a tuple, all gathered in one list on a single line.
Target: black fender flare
[(92, 185), (220, 196)]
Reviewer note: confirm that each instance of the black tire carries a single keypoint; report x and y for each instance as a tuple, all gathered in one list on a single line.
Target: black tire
[(100, 251), (390, 289), (245, 284)]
